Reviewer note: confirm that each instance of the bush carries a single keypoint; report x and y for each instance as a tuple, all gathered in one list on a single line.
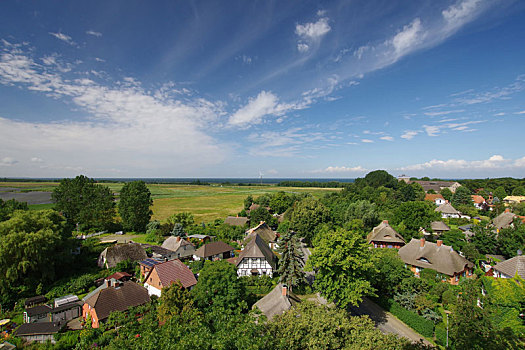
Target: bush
[(441, 334), (413, 320), (449, 297)]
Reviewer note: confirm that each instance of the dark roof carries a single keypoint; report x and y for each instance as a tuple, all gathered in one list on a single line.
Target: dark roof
[(503, 220), (213, 248), (439, 226), (38, 328), (236, 220), (111, 299), (513, 266), (433, 185), (35, 300), (263, 230), (158, 250), (149, 262), (37, 310), (275, 303), (121, 252), (467, 227), (174, 270), (442, 258), (258, 248), (385, 233)]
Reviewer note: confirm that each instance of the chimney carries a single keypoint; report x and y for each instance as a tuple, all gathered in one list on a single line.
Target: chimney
[(285, 291), (178, 238), (439, 242), (385, 221), (422, 243)]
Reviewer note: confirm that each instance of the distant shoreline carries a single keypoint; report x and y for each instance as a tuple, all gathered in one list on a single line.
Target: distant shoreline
[(189, 180)]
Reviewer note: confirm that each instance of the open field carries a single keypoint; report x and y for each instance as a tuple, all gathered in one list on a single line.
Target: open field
[(206, 203)]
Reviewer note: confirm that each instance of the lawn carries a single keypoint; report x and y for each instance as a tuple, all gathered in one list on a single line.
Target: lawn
[(206, 203)]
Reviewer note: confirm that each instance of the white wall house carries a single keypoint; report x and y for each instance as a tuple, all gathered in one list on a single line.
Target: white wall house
[(256, 259), (254, 266)]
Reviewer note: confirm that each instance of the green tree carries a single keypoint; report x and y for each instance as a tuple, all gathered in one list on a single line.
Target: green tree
[(462, 196), (414, 215), (307, 215), (484, 239), (512, 239), (248, 202), (500, 193), (218, 287), (447, 194), (84, 202), (134, 206), (174, 300), (9, 206), (34, 248), (281, 201), (260, 214), (389, 271), (519, 191), (342, 263), (184, 218), (311, 326), (454, 238), (379, 178), (291, 262), (365, 211)]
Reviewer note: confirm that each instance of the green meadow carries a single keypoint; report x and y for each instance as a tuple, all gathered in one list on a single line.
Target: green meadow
[(206, 203)]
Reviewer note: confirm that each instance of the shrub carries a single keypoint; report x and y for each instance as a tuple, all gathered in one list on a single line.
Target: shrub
[(441, 334), (413, 320), (449, 297)]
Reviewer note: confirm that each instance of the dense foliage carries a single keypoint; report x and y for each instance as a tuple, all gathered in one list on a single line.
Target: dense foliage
[(134, 206)]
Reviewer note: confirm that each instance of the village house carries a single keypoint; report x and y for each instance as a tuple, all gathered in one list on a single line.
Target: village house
[(256, 259), (447, 211), (181, 248), (277, 302), (509, 268), (217, 250), (437, 186), (236, 221), (111, 256), (511, 200), (384, 236), (439, 227), (479, 201), (165, 273), (63, 309), (504, 220), (436, 198), (112, 297), (419, 254), (268, 235)]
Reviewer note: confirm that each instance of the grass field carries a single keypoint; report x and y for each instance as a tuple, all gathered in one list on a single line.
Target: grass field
[(206, 203)]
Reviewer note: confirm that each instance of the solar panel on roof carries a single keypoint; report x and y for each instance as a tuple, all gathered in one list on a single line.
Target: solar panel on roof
[(149, 262)]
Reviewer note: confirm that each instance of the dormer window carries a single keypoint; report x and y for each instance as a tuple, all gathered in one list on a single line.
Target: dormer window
[(424, 260)]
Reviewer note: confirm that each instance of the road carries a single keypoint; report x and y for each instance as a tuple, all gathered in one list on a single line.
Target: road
[(385, 321)]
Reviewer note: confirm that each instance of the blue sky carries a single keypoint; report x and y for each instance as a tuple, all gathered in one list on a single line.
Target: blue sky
[(282, 88)]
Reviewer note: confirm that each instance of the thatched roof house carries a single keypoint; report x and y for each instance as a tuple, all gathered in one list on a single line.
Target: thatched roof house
[(111, 256)]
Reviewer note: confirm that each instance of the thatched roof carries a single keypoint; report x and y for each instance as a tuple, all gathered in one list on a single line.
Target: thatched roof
[(275, 303), (111, 256), (174, 243), (439, 226), (385, 233), (441, 258), (236, 220), (513, 266), (263, 230), (503, 220), (447, 208)]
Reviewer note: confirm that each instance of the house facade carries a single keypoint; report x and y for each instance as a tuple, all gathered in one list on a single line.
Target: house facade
[(447, 211), (256, 259), (509, 268), (181, 248), (419, 255), (436, 198)]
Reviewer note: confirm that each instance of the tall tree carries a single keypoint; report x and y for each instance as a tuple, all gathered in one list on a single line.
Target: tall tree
[(83, 202), (414, 215), (342, 263), (134, 206), (185, 219), (307, 215), (291, 262), (446, 193), (519, 191), (34, 247), (365, 211), (462, 196), (9, 206), (500, 193), (379, 178), (174, 300)]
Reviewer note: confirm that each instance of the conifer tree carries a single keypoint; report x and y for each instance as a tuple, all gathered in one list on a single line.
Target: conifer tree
[(291, 263)]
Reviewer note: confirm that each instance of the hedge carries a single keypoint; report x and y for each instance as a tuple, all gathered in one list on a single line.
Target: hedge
[(413, 320), (441, 334)]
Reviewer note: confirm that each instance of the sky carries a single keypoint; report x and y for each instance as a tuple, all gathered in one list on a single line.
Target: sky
[(299, 89)]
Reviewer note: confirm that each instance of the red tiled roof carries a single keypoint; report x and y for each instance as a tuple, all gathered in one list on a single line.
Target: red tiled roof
[(477, 199), (433, 197), (118, 276), (174, 270)]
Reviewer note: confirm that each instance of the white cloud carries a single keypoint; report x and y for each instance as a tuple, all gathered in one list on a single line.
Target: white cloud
[(311, 33), (99, 59), (409, 134), (367, 141), (36, 160), (387, 138), (341, 169), (411, 36), (495, 162), (144, 129), (441, 113), (434, 130), (521, 112), (92, 32), (7, 161), (461, 11), (471, 97), (65, 38)]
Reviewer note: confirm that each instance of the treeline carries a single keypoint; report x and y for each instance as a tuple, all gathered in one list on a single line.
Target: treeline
[(319, 184), (509, 184)]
